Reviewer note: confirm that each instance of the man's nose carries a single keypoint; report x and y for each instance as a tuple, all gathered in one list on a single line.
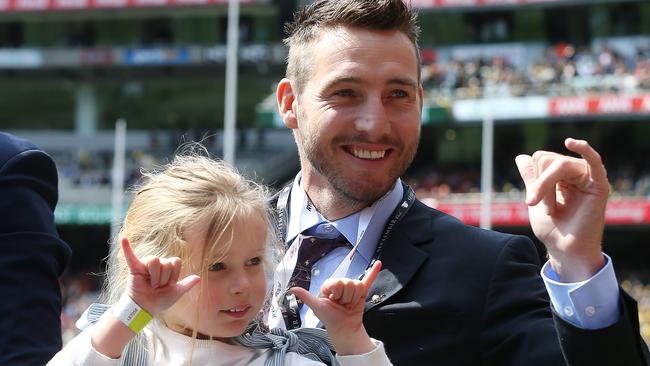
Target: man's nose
[(372, 119)]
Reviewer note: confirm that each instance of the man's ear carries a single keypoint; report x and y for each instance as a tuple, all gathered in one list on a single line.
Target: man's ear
[(286, 98)]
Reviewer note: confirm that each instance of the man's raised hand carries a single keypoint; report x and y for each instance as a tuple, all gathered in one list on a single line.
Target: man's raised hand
[(567, 197)]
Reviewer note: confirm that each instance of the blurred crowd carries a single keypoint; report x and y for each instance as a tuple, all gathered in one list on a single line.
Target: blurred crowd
[(565, 70), (94, 168), (87, 167), (78, 292), (440, 184)]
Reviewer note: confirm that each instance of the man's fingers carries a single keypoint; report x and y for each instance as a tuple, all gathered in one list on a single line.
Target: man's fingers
[(134, 263), (549, 200), (529, 168), (591, 156), (544, 171), (525, 166), (527, 172), (568, 169), (369, 278)]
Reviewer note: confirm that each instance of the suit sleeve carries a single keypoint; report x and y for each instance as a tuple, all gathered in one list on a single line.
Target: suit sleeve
[(519, 327), (32, 256), (618, 344)]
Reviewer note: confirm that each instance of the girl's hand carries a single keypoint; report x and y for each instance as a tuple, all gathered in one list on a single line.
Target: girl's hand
[(153, 281), (153, 284), (340, 307)]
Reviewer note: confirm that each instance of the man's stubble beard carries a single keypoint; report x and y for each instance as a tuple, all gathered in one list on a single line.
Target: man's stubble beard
[(347, 193)]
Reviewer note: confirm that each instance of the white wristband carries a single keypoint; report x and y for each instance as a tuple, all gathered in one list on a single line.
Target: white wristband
[(131, 314)]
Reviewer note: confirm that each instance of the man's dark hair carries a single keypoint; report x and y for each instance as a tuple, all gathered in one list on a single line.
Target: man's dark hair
[(365, 14)]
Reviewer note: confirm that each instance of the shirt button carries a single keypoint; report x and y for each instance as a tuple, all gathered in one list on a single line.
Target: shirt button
[(568, 311), (590, 310), (315, 271)]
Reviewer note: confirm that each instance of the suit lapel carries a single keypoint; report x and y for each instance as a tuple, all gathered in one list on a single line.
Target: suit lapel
[(400, 258)]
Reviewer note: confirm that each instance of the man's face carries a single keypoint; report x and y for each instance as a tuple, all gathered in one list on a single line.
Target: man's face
[(358, 115)]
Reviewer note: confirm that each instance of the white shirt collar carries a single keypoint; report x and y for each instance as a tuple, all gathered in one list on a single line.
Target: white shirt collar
[(303, 215)]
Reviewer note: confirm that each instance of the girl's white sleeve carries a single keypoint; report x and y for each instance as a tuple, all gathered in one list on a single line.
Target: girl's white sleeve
[(376, 357), (80, 352)]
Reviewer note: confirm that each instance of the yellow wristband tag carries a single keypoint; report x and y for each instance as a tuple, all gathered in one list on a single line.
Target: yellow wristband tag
[(131, 314)]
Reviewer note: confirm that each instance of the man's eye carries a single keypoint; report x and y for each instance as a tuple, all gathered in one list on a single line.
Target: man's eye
[(399, 93), (216, 267), (254, 261), (344, 93)]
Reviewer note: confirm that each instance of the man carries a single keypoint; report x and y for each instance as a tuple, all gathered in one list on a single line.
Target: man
[(31, 255), (448, 294)]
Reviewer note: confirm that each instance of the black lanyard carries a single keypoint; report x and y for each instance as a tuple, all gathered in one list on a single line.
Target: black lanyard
[(405, 204)]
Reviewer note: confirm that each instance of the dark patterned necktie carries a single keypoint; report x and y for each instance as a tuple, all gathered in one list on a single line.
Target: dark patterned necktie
[(311, 249)]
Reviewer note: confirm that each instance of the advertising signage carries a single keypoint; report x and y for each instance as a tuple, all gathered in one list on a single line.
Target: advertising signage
[(442, 4), (618, 212), (63, 5)]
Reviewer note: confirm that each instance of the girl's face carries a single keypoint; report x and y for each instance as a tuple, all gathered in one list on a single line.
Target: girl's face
[(234, 290)]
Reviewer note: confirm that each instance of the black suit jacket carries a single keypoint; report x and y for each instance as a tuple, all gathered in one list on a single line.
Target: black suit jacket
[(32, 255), (452, 294)]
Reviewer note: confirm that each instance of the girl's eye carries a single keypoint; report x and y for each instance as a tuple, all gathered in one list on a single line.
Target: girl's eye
[(254, 261), (216, 267)]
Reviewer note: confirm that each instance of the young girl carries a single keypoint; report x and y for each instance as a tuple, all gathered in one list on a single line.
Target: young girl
[(201, 222)]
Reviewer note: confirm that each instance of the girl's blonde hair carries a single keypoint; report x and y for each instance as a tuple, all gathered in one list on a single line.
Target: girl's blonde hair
[(191, 189)]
